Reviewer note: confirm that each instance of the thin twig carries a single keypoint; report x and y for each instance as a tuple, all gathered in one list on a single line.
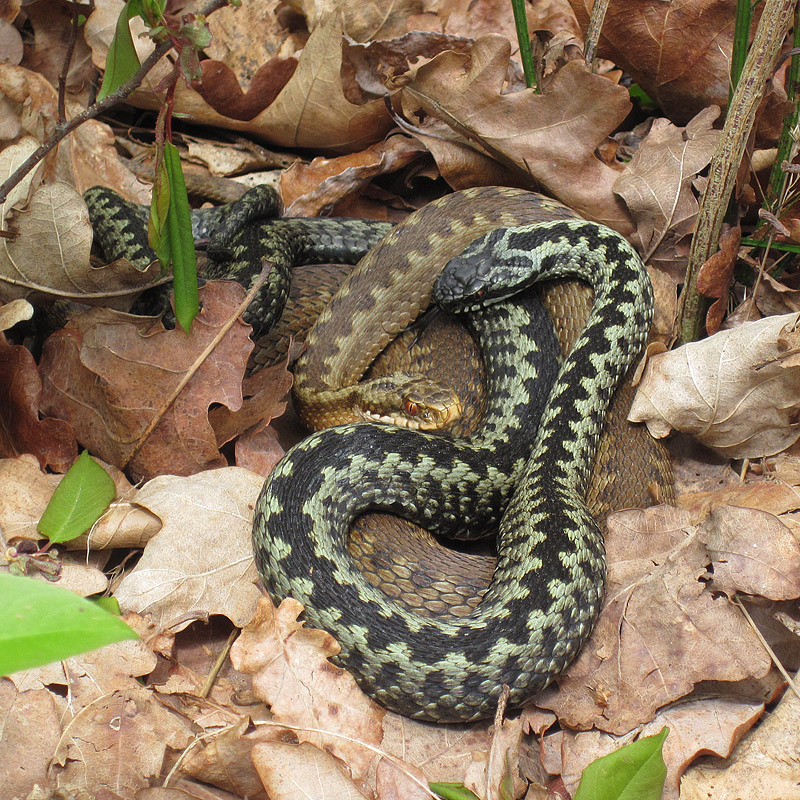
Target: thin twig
[(61, 131), (212, 676), (596, 21), (775, 660), (62, 76)]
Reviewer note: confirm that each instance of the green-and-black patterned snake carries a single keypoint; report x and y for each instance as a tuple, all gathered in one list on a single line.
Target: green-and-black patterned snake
[(546, 589)]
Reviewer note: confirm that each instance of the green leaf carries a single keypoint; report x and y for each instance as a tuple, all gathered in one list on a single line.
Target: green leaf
[(42, 623), (634, 772), (179, 229), (157, 232), (452, 791), (785, 247), (109, 604), (78, 501), (122, 61)]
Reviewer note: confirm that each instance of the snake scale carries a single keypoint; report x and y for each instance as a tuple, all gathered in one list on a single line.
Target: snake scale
[(546, 589)]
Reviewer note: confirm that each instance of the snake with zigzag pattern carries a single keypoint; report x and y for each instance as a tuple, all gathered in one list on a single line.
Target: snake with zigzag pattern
[(547, 587)]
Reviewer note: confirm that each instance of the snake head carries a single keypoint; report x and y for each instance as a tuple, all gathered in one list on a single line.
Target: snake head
[(408, 400), (492, 268)]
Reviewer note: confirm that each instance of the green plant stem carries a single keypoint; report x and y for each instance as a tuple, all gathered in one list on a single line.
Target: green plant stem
[(777, 177), (771, 31), (784, 247), (741, 41), (524, 39)]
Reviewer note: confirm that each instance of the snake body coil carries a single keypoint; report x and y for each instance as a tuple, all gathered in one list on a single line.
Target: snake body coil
[(547, 588), (239, 235)]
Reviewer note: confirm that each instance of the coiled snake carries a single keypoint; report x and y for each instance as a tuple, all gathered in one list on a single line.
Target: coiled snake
[(547, 587)]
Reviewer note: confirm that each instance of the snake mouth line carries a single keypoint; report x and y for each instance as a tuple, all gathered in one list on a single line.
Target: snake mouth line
[(403, 422)]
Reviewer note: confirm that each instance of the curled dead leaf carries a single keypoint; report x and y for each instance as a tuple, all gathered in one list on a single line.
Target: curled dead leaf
[(735, 391)]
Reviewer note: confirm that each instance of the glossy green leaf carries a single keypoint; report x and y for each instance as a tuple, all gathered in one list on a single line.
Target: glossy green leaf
[(42, 623), (452, 791), (122, 61), (634, 772), (78, 501)]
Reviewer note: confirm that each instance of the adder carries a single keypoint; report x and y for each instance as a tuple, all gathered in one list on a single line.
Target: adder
[(428, 698)]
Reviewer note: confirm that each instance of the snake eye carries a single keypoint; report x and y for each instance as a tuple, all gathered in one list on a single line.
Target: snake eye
[(411, 408)]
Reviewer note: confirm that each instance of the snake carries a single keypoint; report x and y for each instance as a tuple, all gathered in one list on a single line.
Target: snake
[(547, 587), (422, 681)]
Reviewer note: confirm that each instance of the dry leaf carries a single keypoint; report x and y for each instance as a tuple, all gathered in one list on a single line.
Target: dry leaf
[(732, 391), (51, 440), (201, 561), (660, 632), (259, 452), (52, 21), (14, 312), (364, 21), (311, 111), (246, 37), (25, 491), (225, 760), (437, 753), (696, 727), (774, 496), (753, 552), (657, 187), (764, 766), (129, 732), (547, 138), (29, 735), (311, 190), (496, 773), (91, 675), (266, 393), (715, 277), (301, 772), (679, 54), (291, 673), (109, 374)]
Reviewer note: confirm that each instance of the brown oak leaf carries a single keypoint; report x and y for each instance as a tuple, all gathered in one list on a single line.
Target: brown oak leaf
[(110, 374)]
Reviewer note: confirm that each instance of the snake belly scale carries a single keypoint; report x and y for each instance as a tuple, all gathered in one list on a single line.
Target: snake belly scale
[(547, 587)]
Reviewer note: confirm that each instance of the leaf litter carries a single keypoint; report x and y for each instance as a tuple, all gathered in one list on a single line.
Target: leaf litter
[(671, 647)]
